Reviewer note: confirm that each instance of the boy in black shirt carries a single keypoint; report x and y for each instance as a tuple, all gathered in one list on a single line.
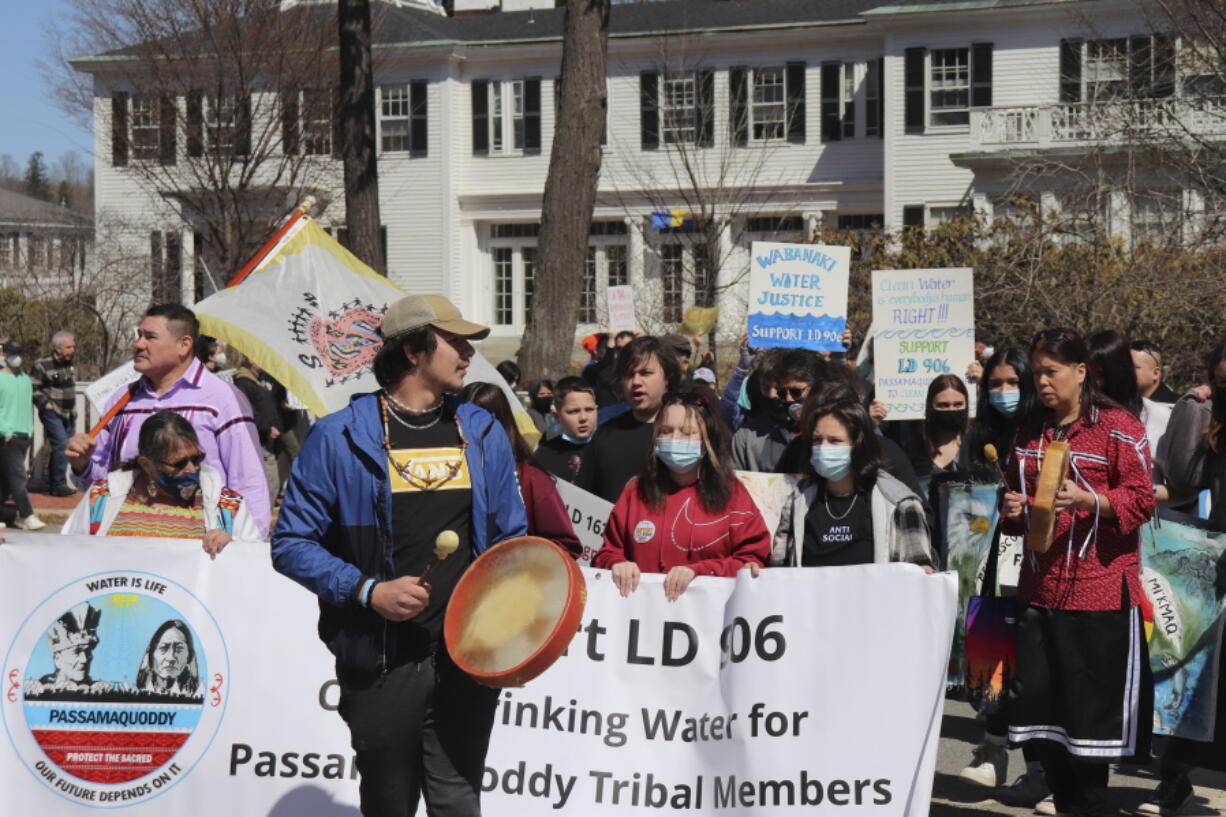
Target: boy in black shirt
[(646, 371), (574, 407)]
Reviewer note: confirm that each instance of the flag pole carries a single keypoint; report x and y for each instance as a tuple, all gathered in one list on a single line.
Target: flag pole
[(301, 210)]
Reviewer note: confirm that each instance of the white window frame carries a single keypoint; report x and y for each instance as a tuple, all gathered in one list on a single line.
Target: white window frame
[(597, 269), (1108, 73), (394, 110), (523, 258), (314, 127), (762, 112), (665, 275), (871, 100), (506, 117), (221, 119), (679, 108), (954, 79), (144, 127), (848, 86)]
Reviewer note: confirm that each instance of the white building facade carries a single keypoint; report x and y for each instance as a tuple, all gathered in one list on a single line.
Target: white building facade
[(781, 114)]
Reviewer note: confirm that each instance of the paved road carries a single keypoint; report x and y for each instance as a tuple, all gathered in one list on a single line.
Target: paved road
[(1129, 787)]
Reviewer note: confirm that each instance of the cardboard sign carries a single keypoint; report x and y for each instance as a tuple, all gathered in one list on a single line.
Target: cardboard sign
[(621, 309), (923, 326), (798, 296)]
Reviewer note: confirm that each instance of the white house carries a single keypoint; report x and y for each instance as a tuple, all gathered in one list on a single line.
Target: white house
[(846, 113)]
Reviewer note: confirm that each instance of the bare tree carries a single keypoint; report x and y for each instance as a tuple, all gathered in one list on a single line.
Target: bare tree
[(718, 181), (570, 187), (357, 111), (222, 108)]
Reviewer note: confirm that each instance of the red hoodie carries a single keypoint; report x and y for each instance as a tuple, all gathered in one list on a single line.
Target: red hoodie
[(684, 533), (547, 515)]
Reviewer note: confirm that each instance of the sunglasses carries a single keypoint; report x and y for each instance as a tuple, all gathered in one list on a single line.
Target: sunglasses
[(179, 465), (687, 398), (794, 393)]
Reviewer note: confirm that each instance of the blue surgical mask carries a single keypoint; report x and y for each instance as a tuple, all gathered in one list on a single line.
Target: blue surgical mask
[(577, 440), (679, 455), (1005, 401), (182, 485), (831, 461)]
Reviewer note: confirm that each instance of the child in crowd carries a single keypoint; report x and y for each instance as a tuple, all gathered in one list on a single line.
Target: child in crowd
[(686, 514), (574, 408)]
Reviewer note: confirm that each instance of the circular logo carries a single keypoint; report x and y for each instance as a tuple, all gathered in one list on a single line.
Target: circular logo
[(644, 530), (116, 685)]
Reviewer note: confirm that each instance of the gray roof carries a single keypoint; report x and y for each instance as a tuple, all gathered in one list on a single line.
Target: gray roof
[(18, 210), (403, 25)]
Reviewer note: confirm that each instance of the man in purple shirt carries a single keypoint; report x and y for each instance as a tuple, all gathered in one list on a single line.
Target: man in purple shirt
[(174, 380)]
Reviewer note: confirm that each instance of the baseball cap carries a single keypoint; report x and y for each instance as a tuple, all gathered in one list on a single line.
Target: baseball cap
[(12, 347), (415, 311), (680, 344), (705, 375)]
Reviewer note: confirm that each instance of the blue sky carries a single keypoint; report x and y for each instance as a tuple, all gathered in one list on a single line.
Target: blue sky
[(31, 121)]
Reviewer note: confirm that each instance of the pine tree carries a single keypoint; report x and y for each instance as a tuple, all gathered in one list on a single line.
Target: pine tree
[(36, 183)]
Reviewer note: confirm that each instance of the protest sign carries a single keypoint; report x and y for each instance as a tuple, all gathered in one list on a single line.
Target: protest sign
[(745, 697), (100, 391), (769, 492), (621, 309), (923, 326), (699, 320), (798, 295), (588, 516), (1180, 559)]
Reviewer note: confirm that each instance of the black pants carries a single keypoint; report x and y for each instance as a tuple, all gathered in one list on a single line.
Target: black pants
[(421, 729), (13, 472), (1079, 786)]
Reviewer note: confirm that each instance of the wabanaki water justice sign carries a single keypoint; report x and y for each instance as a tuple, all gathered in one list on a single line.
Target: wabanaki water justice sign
[(798, 295), (115, 687)]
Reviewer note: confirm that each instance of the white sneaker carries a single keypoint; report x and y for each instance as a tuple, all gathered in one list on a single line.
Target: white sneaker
[(1027, 791), (1047, 808), (31, 522), (988, 767)]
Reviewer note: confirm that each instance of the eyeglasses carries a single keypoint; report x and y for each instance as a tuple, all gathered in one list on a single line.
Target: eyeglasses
[(1048, 334), (179, 465), (686, 398)]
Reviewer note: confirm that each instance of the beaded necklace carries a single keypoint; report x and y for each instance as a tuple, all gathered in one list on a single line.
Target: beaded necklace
[(422, 483)]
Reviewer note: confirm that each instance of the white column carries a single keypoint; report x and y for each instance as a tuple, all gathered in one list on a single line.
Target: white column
[(187, 268)]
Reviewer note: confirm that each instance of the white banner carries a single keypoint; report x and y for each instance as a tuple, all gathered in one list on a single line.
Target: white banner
[(746, 696), (923, 326), (798, 295)]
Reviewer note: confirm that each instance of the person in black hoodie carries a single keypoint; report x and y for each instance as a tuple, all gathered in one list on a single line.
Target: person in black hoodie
[(646, 370)]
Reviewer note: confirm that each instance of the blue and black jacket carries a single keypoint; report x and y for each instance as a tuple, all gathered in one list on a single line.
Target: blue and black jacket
[(335, 525)]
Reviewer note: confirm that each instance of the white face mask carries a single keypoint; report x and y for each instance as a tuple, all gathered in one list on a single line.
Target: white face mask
[(13, 362), (219, 360)]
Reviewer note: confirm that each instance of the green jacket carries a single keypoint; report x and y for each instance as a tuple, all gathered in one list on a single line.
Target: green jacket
[(16, 404)]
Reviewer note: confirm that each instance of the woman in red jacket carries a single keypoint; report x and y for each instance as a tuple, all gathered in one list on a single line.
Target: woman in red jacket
[(547, 516), (1083, 692), (686, 514)]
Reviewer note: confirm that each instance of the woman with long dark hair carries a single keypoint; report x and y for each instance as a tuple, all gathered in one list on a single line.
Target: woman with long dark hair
[(848, 509), (547, 516), (685, 514), (1006, 396), (938, 446), (1083, 691)]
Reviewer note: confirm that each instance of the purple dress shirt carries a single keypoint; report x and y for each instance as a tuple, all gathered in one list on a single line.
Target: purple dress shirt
[(223, 421)]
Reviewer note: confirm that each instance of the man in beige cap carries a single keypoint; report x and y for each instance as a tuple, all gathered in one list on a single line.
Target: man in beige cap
[(375, 484)]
